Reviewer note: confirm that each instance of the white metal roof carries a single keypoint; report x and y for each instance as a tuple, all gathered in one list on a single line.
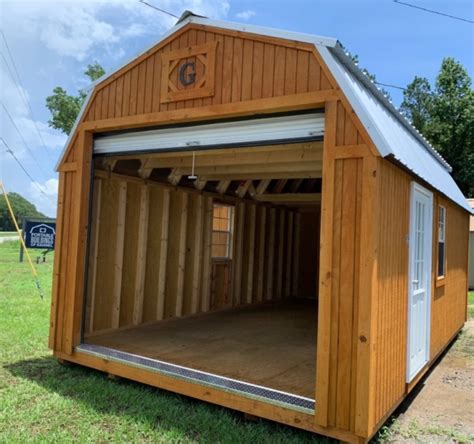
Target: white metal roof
[(392, 134)]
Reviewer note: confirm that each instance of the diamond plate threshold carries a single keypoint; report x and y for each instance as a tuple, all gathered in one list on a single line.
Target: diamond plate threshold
[(271, 396)]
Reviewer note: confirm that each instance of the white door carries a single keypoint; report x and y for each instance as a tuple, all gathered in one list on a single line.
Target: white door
[(419, 285)]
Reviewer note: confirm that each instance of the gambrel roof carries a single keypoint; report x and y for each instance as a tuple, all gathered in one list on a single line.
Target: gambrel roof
[(390, 132)]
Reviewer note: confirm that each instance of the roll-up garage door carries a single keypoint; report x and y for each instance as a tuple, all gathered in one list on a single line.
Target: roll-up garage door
[(258, 131)]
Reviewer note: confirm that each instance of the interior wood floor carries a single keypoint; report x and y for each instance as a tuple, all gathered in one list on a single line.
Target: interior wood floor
[(269, 345)]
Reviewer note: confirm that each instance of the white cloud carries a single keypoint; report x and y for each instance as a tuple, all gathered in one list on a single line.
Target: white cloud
[(44, 195), (77, 28), (245, 15)]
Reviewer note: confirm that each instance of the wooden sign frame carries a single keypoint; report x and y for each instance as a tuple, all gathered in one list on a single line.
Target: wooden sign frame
[(202, 87)]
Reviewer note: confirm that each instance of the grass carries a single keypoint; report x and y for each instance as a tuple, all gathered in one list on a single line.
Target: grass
[(42, 401)]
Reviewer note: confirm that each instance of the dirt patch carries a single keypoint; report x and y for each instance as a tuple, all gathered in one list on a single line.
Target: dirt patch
[(441, 409)]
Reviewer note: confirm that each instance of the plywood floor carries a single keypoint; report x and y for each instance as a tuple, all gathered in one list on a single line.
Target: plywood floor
[(272, 345)]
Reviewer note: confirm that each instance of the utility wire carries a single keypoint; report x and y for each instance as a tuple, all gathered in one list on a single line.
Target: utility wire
[(22, 138), (158, 9), (12, 153), (21, 89), (433, 12), (390, 86)]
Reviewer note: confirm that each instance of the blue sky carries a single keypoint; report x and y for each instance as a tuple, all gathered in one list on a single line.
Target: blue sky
[(53, 41)]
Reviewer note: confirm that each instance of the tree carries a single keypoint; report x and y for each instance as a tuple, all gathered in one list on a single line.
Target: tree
[(416, 103), (21, 208), (445, 115), (64, 107)]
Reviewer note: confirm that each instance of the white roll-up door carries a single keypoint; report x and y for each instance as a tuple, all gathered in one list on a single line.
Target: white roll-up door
[(258, 131)]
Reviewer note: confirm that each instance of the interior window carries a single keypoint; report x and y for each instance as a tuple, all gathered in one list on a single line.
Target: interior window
[(441, 241), (222, 227)]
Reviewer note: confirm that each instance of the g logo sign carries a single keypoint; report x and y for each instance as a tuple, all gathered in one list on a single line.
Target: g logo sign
[(187, 73)]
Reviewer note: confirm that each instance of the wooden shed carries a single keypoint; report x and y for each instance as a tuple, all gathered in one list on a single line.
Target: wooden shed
[(245, 219)]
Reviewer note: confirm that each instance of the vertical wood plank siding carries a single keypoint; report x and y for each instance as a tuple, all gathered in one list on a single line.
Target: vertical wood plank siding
[(339, 373), (448, 301), (246, 69), (448, 307), (191, 298), (391, 340)]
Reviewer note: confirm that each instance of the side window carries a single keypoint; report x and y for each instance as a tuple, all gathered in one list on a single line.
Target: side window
[(222, 229), (441, 241)]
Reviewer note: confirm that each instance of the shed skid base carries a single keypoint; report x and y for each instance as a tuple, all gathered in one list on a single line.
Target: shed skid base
[(252, 391)]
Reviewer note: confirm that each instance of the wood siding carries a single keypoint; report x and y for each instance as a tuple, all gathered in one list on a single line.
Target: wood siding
[(246, 69), (172, 218), (448, 301), (346, 273), (392, 281)]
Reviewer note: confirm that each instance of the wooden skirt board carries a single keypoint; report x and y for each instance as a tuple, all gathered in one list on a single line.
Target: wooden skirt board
[(269, 345)]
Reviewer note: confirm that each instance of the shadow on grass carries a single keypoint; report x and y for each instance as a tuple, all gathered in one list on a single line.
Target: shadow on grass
[(157, 409)]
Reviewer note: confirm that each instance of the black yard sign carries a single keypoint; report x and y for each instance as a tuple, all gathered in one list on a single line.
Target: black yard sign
[(39, 234)]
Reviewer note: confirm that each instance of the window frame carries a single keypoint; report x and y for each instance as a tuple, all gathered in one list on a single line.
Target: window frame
[(441, 208), (230, 231)]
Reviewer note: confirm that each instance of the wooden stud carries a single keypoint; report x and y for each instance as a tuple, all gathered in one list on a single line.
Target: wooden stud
[(141, 255), (222, 186), (296, 254), (160, 305), (145, 170), (295, 185), (270, 255), (252, 190), (118, 262), (262, 186), (251, 252), (365, 395), (325, 280), (243, 188), (281, 245), (198, 224), (175, 177), (200, 184), (261, 253), (289, 255), (206, 265), (94, 251), (239, 242), (278, 188), (181, 255)]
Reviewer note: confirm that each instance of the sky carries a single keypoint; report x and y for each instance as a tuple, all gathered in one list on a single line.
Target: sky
[(51, 43)]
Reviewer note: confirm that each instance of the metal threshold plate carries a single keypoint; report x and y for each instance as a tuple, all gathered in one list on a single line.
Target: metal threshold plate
[(265, 394)]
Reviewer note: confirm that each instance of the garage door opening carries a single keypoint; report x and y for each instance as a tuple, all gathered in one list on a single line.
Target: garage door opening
[(204, 266)]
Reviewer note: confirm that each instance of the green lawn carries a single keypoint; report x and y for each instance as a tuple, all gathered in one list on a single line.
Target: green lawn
[(43, 401)]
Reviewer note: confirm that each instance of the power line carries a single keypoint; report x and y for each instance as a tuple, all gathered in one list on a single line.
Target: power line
[(22, 138), (390, 86), (158, 9), (12, 153), (433, 12), (21, 90)]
